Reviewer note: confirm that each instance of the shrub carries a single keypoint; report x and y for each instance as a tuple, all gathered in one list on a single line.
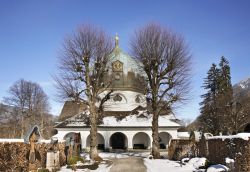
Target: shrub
[(73, 160), (42, 170), (98, 159)]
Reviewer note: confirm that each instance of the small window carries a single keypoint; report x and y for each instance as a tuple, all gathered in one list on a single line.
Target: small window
[(137, 99), (117, 98)]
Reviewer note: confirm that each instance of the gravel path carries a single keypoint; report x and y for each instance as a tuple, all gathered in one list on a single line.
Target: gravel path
[(130, 164)]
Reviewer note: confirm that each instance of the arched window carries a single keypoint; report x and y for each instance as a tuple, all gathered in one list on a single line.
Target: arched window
[(139, 99), (117, 98), (141, 140)]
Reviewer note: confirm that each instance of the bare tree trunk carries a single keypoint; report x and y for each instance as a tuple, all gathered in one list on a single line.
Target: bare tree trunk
[(155, 136), (93, 133), (22, 126), (14, 132), (42, 122)]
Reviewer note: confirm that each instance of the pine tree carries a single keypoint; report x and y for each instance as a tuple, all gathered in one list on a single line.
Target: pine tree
[(217, 105), (209, 117), (225, 95)]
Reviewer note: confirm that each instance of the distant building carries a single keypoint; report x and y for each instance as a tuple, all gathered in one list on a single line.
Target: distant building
[(126, 124)]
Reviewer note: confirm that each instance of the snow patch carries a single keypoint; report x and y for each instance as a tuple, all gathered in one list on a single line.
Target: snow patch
[(197, 162), (244, 136), (184, 135), (229, 160), (217, 168), (11, 140)]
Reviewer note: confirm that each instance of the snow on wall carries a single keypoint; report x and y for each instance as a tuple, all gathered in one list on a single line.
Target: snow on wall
[(10, 140), (244, 136), (21, 140), (184, 135)]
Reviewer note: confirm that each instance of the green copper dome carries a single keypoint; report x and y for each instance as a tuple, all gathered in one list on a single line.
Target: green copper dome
[(129, 63), (125, 72)]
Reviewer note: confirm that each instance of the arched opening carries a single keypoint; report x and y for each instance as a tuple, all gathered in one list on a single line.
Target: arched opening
[(100, 141), (247, 128), (141, 141), (72, 137), (118, 140), (72, 144), (164, 140)]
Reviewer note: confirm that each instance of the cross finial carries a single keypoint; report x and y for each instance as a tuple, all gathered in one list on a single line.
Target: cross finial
[(116, 40)]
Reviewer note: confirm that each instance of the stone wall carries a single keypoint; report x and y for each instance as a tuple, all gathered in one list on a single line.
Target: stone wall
[(215, 149), (234, 148), (180, 148), (14, 155)]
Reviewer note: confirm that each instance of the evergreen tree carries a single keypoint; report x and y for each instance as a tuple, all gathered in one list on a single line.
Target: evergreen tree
[(217, 105), (209, 118), (225, 95)]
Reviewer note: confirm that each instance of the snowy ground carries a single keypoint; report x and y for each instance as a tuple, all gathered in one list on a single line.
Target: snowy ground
[(152, 165)]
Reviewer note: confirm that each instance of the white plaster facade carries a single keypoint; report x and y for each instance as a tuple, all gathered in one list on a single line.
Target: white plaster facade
[(132, 136)]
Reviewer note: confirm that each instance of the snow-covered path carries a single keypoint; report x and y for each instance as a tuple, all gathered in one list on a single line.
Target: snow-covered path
[(139, 162), (130, 164)]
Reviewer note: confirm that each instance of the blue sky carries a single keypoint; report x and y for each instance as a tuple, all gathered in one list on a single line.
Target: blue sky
[(32, 32)]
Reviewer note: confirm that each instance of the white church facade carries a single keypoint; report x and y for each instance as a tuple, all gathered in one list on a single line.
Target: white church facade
[(126, 123)]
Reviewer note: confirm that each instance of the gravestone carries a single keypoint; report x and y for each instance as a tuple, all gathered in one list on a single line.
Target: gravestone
[(33, 155), (52, 158)]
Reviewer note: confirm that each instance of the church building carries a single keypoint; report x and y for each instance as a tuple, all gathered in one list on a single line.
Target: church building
[(126, 123)]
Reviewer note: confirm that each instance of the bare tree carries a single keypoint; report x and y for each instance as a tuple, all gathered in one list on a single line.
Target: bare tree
[(28, 101), (239, 111), (166, 61), (82, 67)]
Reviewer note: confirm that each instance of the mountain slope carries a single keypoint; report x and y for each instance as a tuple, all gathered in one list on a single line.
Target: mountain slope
[(242, 88)]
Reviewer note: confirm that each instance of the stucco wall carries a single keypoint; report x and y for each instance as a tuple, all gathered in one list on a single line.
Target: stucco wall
[(107, 133)]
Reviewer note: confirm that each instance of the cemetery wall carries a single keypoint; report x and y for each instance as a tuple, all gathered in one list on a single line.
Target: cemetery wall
[(234, 148), (180, 148), (14, 156), (216, 150)]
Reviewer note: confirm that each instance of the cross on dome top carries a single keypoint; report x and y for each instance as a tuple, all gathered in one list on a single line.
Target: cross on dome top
[(116, 40)]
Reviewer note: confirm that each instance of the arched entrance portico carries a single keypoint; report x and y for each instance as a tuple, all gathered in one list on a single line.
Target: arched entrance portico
[(164, 140), (141, 140), (100, 141), (118, 140)]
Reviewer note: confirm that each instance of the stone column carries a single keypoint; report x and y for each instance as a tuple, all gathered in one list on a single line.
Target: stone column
[(106, 141), (83, 140), (130, 141)]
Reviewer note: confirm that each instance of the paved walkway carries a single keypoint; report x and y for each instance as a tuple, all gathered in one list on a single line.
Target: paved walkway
[(130, 164)]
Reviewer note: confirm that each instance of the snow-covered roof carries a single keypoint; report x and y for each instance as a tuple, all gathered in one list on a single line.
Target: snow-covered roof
[(134, 121), (139, 120)]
